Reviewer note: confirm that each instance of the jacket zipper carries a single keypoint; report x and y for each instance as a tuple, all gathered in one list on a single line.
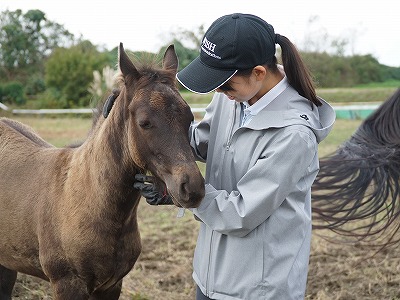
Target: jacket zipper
[(209, 264), (233, 120), (228, 144)]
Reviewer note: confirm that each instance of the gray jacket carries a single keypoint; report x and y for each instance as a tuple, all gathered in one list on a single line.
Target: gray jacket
[(254, 239)]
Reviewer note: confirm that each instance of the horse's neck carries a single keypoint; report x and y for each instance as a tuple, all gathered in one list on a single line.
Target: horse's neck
[(105, 163)]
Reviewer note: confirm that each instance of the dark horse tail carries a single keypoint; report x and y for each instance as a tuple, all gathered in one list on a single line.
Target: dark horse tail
[(356, 192)]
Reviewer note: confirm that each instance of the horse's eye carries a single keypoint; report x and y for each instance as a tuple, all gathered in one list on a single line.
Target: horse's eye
[(145, 124)]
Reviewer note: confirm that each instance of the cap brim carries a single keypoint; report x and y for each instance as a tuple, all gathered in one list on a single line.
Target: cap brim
[(202, 79)]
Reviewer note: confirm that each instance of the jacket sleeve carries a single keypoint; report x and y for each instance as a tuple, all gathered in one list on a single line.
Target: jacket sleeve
[(285, 167), (198, 136), (199, 132)]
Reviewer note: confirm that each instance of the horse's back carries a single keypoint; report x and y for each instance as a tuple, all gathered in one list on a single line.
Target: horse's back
[(27, 165), (17, 132), (23, 154)]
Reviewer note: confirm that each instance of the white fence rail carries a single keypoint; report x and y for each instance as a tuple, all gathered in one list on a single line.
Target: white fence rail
[(67, 111), (53, 111), (2, 106), (194, 108)]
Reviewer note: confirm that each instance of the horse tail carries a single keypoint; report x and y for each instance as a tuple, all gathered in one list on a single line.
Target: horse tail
[(356, 192)]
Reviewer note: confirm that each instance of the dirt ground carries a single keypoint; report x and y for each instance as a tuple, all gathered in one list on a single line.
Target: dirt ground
[(163, 271)]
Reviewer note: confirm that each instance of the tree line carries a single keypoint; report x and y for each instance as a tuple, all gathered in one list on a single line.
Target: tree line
[(42, 62)]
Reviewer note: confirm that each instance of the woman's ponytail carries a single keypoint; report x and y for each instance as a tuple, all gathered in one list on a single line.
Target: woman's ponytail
[(296, 71)]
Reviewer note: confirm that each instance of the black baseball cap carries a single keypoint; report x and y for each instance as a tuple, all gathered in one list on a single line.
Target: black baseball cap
[(233, 42)]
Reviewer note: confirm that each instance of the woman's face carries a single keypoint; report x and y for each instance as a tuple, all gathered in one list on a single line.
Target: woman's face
[(240, 88)]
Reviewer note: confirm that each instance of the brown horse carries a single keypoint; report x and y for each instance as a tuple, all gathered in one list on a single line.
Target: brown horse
[(68, 215)]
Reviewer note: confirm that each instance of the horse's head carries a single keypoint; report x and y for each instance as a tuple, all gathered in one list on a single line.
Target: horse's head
[(158, 120)]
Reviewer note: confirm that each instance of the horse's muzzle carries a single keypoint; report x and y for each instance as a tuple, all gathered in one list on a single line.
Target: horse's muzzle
[(186, 190)]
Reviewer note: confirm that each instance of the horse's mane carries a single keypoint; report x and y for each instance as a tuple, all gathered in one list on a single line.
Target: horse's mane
[(359, 183)]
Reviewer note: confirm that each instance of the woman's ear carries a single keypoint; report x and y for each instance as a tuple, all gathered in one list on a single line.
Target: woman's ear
[(260, 72)]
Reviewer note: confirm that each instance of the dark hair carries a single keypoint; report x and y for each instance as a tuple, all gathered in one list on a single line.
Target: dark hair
[(296, 71)]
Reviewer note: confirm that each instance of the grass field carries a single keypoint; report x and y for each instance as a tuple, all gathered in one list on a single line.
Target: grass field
[(365, 94), (163, 271)]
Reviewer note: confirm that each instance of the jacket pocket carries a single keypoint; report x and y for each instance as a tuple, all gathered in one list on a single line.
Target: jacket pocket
[(238, 264)]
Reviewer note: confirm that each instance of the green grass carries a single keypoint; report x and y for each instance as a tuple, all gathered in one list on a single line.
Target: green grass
[(342, 130), (60, 131), (388, 84), (356, 95)]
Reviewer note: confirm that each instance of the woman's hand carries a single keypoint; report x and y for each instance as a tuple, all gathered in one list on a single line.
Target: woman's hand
[(148, 189)]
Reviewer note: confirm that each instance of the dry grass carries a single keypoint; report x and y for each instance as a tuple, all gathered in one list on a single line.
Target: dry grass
[(164, 268), (163, 271)]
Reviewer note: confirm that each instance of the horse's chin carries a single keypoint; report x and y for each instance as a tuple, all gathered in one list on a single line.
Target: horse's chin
[(176, 203), (187, 203)]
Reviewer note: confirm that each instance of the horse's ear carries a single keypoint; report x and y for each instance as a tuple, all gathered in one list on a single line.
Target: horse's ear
[(125, 64), (170, 61)]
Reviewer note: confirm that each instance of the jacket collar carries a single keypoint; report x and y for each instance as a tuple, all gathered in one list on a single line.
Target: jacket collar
[(289, 108)]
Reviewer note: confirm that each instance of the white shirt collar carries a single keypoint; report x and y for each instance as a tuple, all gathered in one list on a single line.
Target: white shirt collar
[(267, 98)]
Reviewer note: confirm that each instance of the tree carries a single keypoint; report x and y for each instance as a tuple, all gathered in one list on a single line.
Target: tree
[(26, 40), (329, 70), (191, 37), (184, 54), (367, 68), (187, 44), (69, 72)]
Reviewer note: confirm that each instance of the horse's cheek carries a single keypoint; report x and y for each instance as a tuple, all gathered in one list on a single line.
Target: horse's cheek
[(136, 151)]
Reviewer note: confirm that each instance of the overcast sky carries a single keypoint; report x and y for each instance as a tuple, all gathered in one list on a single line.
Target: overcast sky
[(372, 27)]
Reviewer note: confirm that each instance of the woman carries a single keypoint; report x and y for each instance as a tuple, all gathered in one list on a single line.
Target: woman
[(259, 139)]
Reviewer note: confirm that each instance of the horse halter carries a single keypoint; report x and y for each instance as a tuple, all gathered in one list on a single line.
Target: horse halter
[(110, 102)]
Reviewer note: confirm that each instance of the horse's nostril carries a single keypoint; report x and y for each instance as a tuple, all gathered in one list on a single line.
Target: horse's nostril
[(184, 190), (189, 187)]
